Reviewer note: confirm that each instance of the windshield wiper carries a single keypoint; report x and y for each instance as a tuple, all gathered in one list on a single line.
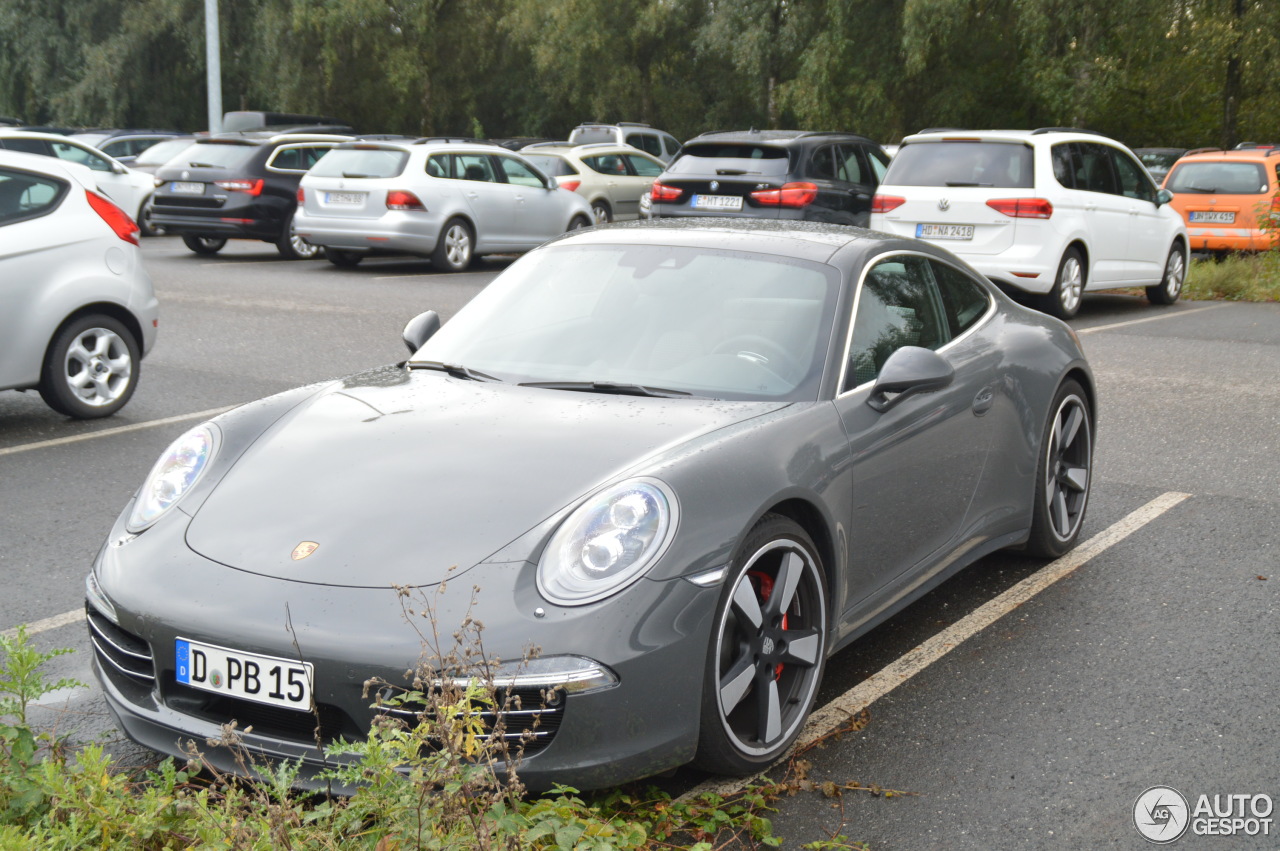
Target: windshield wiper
[(609, 387), (1212, 191), (964, 183), (362, 176), (456, 370), (201, 165)]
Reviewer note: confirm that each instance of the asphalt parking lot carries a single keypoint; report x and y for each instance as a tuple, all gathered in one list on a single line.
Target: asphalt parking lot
[(1152, 662)]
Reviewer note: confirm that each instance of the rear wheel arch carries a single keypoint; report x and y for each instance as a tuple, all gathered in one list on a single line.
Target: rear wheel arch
[(103, 308)]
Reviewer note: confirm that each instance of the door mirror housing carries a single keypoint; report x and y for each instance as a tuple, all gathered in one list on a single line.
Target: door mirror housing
[(420, 329), (1164, 196), (909, 371)]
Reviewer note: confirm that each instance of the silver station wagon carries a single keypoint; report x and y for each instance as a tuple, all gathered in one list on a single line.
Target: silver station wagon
[(445, 199)]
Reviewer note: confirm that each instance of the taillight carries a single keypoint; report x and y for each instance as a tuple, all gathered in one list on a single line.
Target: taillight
[(662, 192), (399, 199), (302, 196), (885, 203), (790, 195), (1022, 208), (118, 220), (571, 185), (1275, 203), (252, 187)]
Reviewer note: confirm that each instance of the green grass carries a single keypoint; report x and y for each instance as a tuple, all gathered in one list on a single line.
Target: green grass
[(1237, 277)]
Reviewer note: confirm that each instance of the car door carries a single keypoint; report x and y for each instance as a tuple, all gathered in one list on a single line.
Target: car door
[(490, 199), (537, 211), (1106, 214), (1149, 238), (917, 465)]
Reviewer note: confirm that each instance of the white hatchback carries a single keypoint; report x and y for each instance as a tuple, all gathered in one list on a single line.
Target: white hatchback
[(444, 199), (77, 308), (1050, 212)]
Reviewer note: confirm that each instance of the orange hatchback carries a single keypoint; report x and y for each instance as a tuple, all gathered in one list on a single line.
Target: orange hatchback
[(1230, 200)]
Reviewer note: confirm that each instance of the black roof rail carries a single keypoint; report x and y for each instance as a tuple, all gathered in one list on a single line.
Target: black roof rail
[(1202, 151), (1042, 130), (466, 140), (944, 130), (632, 124)]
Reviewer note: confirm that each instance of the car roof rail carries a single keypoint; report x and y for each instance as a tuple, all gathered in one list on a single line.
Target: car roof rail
[(557, 145), (943, 130), (1202, 151), (458, 140), (632, 124), (1042, 130)]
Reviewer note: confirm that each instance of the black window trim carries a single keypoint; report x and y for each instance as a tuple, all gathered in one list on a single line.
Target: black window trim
[(857, 299)]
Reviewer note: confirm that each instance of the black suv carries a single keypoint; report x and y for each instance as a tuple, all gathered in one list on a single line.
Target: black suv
[(238, 187), (774, 174)]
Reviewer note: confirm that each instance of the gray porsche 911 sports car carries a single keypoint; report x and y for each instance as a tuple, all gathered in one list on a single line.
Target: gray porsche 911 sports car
[(688, 462)]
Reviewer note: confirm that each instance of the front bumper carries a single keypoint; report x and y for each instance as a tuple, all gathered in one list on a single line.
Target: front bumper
[(652, 637), (1231, 239)]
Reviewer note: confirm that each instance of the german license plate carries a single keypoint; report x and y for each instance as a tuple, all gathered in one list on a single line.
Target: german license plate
[(1212, 217), (944, 231), (179, 188), (717, 202), (344, 199), (235, 673)]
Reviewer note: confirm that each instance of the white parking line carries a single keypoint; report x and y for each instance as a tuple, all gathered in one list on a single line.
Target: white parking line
[(110, 432), (73, 616), (447, 275), (233, 264), (823, 722), (1176, 315)]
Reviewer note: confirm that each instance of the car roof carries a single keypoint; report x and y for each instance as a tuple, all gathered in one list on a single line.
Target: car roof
[(1218, 155), (939, 134), (51, 166), (780, 137), (583, 150)]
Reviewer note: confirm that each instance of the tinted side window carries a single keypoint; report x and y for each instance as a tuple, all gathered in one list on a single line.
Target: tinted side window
[(26, 196), (288, 159), (849, 165), (1134, 182), (964, 301), (822, 165), (606, 164), (670, 143), (28, 146), (1095, 172), (646, 142), (71, 153), (897, 306), (438, 165), (473, 167), (879, 164), (1063, 157)]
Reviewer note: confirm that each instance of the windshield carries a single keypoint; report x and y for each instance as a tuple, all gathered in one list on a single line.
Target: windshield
[(161, 152), (361, 162), (712, 323), (995, 164), (1220, 178), (550, 164), (215, 154), (731, 159)]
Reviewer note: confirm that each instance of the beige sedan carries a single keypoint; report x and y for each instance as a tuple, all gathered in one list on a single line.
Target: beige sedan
[(612, 177)]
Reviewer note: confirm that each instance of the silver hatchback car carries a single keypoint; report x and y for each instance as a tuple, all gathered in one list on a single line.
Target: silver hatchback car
[(445, 199), (77, 308)]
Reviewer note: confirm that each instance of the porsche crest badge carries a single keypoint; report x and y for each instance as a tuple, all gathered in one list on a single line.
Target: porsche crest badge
[(304, 549)]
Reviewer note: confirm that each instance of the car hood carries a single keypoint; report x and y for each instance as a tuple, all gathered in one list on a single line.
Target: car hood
[(404, 477)]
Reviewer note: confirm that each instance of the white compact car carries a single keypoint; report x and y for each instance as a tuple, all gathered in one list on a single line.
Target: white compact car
[(77, 309), (1052, 212), (614, 178), (129, 189), (444, 199)]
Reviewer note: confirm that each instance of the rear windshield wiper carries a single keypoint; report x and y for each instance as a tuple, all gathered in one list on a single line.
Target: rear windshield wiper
[(734, 171), (609, 387), (456, 370), (364, 176), (202, 165), (965, 183)]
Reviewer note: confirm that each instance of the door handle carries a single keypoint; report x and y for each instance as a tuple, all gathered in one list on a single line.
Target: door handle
[(473, 195)]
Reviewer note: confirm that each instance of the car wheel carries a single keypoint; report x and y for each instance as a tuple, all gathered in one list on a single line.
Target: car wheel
[(601, 213), (293, 247), (768, 648), (1063, 301), (578, 223), (453, 251), (1170, 286), (144, 220), (90, 368), (204, 244), (345, 259), (1063, 475)]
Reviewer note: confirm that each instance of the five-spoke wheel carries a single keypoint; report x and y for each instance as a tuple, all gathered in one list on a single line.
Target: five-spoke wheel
[(90, 368), (1065, 473)]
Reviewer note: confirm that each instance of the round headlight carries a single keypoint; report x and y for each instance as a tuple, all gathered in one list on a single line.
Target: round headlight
[(178, 469), (608, 542)]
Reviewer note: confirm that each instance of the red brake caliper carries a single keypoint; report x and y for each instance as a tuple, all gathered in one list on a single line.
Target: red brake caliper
[(764, 588)]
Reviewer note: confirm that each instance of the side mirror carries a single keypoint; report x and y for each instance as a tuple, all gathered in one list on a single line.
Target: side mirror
[(1164, 196), (420, 329), (908, 371)]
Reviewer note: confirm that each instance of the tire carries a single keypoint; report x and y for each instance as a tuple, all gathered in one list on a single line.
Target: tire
[(1063, 301), (293, 247), (455, 248), (344, 259), (767, 652), (601, 213), (90, 368), (1064, 474), (144, 220), (579, 222), (1175, 273), (207, 245)]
